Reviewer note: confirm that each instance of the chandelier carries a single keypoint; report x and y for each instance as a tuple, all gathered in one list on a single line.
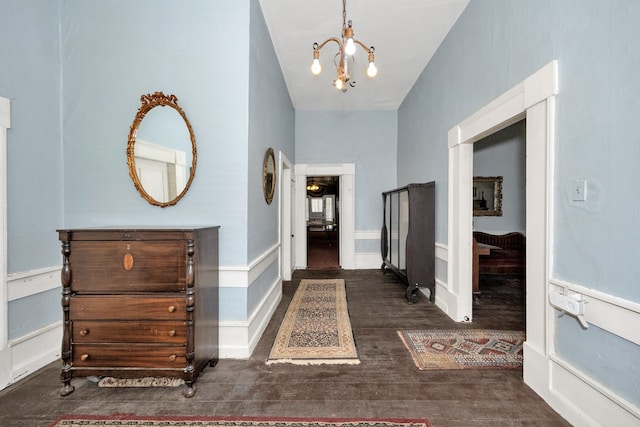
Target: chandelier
[(344, 59)]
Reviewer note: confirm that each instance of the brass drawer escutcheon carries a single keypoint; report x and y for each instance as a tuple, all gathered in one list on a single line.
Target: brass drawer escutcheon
[(128, 261)]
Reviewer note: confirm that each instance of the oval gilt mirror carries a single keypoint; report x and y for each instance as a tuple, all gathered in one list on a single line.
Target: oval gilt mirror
[(269, 175), (161, 151)]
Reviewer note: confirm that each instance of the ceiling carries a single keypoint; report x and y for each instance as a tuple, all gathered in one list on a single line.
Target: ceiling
[(405, 34)]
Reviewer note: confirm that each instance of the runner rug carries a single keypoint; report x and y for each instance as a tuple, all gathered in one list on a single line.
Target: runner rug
[(152, 421), (464, 349), (316, 327)]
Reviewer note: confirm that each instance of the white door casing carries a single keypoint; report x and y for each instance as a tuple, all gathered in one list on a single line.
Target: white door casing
[(286, 217), (5, 351), (534, 100), (346, 207)]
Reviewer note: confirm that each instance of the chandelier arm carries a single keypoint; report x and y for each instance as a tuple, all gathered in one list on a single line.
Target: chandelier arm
[(331, 39), (364, 46)]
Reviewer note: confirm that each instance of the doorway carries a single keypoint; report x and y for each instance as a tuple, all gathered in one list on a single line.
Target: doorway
[(345, 205), (323, 220), (499, 224), (533, 99)]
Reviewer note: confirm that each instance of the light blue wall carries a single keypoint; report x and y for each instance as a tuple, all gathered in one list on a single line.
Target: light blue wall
[(498, 43), (503, 154), (366, 138), (115, 51), (271, 124), (30, 78)]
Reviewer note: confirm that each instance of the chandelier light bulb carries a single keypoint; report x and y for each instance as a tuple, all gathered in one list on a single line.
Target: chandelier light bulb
[(316, 68), (339, 84), (350, 47), (372, 70)]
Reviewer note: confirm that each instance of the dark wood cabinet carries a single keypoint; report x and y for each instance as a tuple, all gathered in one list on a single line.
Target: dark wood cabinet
[(408, 237), (139, 303)]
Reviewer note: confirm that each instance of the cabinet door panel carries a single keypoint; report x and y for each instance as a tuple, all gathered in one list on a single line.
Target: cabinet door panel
[(394, 232), (403, 229)]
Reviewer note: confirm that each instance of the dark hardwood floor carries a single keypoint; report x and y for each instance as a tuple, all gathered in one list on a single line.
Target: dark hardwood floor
[(385, 384), (322, 250)]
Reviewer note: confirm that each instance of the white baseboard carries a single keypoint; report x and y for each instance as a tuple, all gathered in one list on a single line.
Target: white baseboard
[(535, 370), (238, 339), (580, 401), (35, 350), (368, 261)]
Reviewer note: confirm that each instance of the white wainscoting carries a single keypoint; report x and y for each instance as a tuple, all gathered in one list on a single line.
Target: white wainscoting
[(33, 282), (368, 260), (41, 347), (574, 394), (35, 350), (238, 339)]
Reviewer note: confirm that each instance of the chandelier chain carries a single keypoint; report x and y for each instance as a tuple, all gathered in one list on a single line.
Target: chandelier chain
[(344, 14)]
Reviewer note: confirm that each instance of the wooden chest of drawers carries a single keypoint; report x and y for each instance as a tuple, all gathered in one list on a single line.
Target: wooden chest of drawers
[(139, 303)]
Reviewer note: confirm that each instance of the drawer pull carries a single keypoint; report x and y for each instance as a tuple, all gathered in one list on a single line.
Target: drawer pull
[(84, 357), (172, 357), (172, 333), (171, 308), (84, 332)]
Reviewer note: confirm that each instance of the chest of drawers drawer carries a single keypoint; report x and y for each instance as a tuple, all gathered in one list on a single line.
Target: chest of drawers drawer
[(117, 355), (129, 266), (127, 307), (163, 332)]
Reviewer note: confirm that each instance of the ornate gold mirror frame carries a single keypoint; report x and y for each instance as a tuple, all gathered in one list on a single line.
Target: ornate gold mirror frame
[(150, 101), (487, 196), (269, 175)]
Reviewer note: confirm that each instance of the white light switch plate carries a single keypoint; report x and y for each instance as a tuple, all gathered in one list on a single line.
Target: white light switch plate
[(579, 190)]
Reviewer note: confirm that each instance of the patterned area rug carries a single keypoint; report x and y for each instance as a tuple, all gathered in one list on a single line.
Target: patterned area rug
[(135, 421), (316, 327), (464, 349), (140, 382)]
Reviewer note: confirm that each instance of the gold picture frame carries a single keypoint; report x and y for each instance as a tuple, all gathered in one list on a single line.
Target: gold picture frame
[(269, 175), (487, 196)]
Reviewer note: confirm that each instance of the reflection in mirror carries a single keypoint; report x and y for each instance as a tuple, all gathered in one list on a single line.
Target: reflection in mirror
[(161, 151)]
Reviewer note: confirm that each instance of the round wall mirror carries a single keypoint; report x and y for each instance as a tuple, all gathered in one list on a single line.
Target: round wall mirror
[(269, 175), (161, 151)]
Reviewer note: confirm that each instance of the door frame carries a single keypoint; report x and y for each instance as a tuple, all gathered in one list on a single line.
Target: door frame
[(534, 100), (346, 208), (5, 351), (286, 217)]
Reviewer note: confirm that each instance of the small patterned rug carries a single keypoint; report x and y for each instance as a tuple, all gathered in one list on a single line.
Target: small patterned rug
[(316, 327), (464, 349), (140, 382), (125, 420)]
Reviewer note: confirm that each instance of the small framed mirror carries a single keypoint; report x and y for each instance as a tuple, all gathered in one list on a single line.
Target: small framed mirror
[(487, 196), (269, 175), (161, 150)]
